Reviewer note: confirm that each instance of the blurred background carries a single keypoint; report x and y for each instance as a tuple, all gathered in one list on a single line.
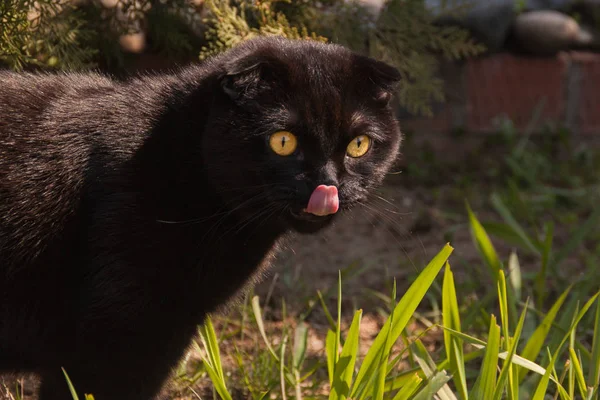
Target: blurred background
[(500, 108)]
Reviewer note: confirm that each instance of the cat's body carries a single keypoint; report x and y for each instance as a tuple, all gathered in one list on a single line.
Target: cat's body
[(130, 210)]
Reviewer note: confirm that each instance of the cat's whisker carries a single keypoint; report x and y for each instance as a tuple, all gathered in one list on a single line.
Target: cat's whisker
[(377, 197), (253, 218), (376, 213), (246, 203), (265, 219)]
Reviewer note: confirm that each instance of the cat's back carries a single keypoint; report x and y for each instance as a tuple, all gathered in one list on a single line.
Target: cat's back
[(42, 162), (31, 94)]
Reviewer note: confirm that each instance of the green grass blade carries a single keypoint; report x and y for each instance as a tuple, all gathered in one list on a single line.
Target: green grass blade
[(300, 342), (326, 310), (484, 244), (571, 374), (282, 368), (209, 337), (331, 352), (503, 299), (540, 280), (261, 325), (542, 388), (433, 387), (400, 380), (382, 369), (507, 374), (514, 274), (530, 243), (467, 338), (451, 319), (216, 380), (486, 382), (505, 233), (339, 318), (579, 378), (70, 385), (429, 368), (402, 314), (409, 388), (576, 237), (533, 347), (594, 367), (344, 368), (576, 320)]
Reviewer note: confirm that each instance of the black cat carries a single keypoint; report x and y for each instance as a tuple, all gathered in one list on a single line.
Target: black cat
[(130, 210)]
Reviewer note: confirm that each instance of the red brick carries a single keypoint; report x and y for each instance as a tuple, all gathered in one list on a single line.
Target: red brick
[(440, 122), (505, 84), (589, 100)]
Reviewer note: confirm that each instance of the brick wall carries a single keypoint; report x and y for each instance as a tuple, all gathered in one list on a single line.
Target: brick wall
[(564, 89)]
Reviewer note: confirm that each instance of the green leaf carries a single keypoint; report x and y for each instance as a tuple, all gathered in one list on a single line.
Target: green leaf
[(540, 280), (502, 298), (209, 337), (216, 380), (300, 341), (70, 385), (576, 366), (401, 315), (534, 345), (451, 319), (339, 318), (434, 385), (344, 368), (261, 325), (484, 244), (486, 381), (506, 374), (213, 361), (429, 368), (542, 388), (382, 369), (409, 388), (530, 243), (326, 310), (504, 232), (331, 352), (576, 237), (514, 274), (594, 367), (282, 367)]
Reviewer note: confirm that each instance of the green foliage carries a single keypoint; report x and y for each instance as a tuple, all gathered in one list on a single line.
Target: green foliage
[(502, 369), (405, 36), (230, 24), (44, 33), (67, 35)]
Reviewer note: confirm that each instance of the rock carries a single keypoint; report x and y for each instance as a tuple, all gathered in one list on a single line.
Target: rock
[(491, 21), (109, 3), (547, 32), (133, 42)]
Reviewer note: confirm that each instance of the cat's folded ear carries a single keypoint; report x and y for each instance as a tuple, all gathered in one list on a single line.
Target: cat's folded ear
[(247, 77), (384, 76)]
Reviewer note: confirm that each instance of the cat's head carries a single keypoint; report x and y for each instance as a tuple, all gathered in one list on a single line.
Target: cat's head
[(295, 119)]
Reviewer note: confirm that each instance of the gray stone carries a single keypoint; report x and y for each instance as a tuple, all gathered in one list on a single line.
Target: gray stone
[(547, 32), (491, 20)]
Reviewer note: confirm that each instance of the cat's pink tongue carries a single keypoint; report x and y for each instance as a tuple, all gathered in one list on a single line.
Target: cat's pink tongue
[(323, 201)]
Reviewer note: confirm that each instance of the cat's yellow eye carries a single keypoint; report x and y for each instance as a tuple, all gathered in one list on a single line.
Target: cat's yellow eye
[(283, 143), (359, 146)]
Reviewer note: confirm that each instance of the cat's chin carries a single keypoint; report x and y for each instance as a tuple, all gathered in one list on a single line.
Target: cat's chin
[(303, 222)]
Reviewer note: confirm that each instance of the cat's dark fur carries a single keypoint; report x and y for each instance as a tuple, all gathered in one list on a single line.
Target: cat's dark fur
[(129, 210)]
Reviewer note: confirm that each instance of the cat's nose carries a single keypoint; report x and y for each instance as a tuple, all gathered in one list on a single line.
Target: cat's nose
[(327, 175)]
